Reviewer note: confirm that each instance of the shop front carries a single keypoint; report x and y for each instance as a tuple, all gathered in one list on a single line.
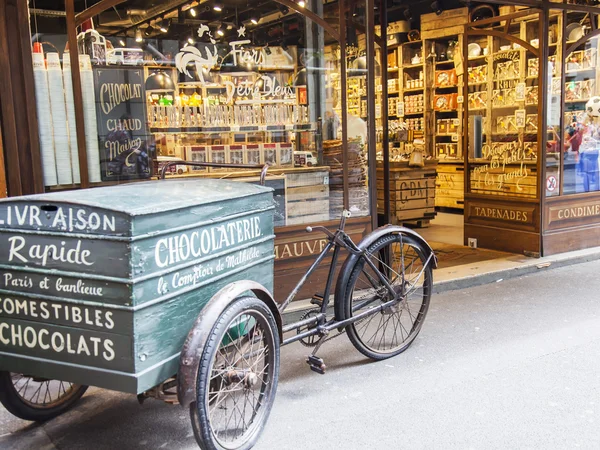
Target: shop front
[(502, 102), (204, 81), (407, 113)]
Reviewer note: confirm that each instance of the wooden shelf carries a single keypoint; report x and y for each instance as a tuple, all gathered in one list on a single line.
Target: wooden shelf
[(413, 90), (413, 66)]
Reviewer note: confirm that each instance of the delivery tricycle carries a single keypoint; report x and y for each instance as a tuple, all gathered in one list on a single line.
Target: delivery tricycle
[(162, 289)]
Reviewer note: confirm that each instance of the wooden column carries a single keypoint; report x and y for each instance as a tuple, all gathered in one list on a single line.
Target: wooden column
[(23, 166)]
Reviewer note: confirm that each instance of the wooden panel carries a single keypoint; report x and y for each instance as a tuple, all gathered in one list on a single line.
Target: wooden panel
[(572, 211), (296, 250), (502, 213), (450, 186), (502, 239), (568, 240)]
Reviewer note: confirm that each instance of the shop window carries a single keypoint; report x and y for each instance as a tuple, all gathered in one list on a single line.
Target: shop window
[(242, 85), (503, 74), (581, 141)]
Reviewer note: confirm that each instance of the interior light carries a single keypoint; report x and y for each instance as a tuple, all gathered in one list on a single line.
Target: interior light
[(164, 26), (301, 4), (220, 32), (193, 12), (254, 20), (122, 42), (138, 35), (218, 7), (191, 41)]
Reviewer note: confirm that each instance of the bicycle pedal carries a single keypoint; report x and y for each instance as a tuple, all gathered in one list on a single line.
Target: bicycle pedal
[(316, 364), (317, 299)]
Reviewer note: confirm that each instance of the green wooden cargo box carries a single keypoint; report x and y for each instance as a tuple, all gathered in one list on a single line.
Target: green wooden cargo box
[(102, 286)]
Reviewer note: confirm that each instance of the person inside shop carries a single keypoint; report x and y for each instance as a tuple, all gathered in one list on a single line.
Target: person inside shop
[(587, 166)]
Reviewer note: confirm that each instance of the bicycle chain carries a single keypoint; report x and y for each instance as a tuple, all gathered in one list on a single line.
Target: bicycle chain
[(327, 338)]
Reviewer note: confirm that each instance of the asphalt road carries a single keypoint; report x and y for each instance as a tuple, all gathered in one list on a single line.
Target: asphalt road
[(510, 365)]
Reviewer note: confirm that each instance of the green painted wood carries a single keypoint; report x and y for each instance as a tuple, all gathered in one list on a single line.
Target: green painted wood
[(114, 285)]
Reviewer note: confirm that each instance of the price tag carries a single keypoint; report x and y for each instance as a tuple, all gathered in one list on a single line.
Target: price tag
[(400, 109)]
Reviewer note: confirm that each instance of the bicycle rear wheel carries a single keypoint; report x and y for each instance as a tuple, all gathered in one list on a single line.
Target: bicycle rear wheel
[(390, 331), (37, 399)]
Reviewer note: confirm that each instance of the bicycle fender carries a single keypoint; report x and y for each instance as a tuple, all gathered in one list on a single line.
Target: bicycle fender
[(365, 242), (193, 346)]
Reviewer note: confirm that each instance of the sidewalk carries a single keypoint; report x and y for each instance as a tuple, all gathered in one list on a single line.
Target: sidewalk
[(483, 272), (490, 271)]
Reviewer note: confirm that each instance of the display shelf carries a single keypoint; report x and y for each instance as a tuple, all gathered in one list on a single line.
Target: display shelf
[(413, 66), (236, 129), (413, 90)]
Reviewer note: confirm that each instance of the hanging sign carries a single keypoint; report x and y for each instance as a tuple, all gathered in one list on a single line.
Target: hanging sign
[(121, 116)]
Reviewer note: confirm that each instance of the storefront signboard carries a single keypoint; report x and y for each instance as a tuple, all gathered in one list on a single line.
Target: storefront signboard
[(121, 116)]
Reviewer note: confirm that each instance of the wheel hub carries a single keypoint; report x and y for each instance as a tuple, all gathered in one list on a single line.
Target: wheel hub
[(248, 377)]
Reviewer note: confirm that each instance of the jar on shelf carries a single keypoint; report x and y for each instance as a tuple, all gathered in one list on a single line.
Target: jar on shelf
[(451, 50)]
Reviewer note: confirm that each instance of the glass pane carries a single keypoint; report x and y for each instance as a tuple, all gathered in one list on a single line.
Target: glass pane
[(503, 112), (582, 108), (236, 84)]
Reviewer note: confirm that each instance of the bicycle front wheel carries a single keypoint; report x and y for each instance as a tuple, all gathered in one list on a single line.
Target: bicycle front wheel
[(237, 377), (390, 331)]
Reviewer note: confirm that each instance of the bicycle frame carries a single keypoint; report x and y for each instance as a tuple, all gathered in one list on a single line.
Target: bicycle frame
[(336, 240)]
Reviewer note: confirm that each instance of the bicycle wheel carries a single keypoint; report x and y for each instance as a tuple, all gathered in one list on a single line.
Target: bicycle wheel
[(237, 377), (390, 331), (37, 399)]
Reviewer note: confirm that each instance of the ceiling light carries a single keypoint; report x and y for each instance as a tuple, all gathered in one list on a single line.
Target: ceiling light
[(191, 41), (254, 20), (436, 6), (122, 42), (301, 4), (138, 35), (193, 12), (149, 30), (220, 32), (164, 25), (218, 7)]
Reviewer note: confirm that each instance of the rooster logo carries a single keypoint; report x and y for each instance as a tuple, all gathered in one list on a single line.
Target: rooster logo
[(190, 54)]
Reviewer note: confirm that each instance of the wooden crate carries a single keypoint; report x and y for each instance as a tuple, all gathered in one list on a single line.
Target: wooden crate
[(450, 186), (449, 22), (412, 193), (307, 197)]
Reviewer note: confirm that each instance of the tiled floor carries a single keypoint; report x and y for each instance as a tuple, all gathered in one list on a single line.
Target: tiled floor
[(445, 228)]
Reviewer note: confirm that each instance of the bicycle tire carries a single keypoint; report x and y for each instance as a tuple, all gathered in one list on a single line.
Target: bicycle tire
[(245, 323), (14, 388), (384, 342)]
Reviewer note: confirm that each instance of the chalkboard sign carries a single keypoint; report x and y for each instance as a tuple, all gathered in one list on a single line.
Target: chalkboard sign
[(121, 117)]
